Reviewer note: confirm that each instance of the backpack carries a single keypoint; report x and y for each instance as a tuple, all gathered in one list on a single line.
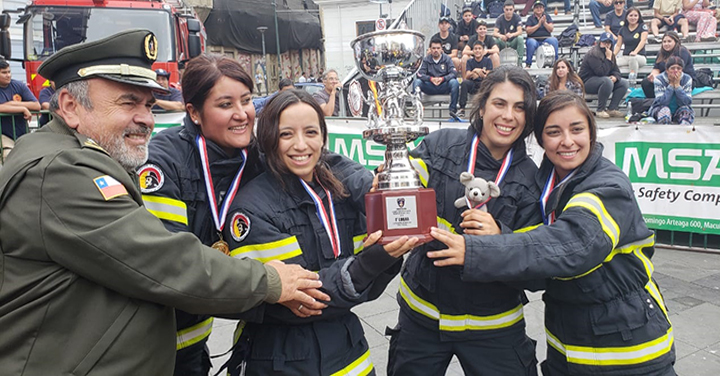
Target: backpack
[(586, 40), (703, 78), (569, 36), (495, 8)]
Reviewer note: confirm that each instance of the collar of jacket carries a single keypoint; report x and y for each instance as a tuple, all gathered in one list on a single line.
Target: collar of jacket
[(485, 159), (583, 171), (215, 152)]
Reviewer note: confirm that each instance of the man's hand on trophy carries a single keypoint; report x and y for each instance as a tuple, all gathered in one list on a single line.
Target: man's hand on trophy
[(454, 254), (396, 248), (478, 222), (298, 284)]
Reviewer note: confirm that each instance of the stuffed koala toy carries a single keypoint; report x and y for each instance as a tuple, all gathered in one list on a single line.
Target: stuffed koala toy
[(478, 191)]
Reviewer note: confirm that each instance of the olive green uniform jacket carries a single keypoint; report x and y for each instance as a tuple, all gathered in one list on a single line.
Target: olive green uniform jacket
[(88, 283)]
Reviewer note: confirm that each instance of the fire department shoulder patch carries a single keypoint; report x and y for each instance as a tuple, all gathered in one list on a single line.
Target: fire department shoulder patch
[(151, 178), (240, 226)]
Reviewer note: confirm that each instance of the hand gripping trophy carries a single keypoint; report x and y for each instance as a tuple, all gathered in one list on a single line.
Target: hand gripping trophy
[(401, 206)]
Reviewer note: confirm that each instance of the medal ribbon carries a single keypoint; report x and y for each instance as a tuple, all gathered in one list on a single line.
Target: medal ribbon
[(328, 221), (218, 218), (504, 167), (549, 218)]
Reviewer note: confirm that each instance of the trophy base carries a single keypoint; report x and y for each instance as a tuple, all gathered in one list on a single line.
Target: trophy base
[(405, 212)]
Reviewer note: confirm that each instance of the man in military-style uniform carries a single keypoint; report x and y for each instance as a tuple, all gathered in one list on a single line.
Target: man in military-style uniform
[(89, 277)]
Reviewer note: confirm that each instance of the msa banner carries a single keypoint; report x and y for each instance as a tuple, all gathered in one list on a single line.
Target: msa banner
[(675, 173)]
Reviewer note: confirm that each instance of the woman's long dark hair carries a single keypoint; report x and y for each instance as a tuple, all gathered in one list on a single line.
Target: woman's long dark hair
[(268, 137), (203, 72), (572, 76), (516, 76), (640, 19), (557, 100), (664, 55)]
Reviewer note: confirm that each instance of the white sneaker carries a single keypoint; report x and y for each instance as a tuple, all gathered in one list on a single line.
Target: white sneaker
[(602, 114)]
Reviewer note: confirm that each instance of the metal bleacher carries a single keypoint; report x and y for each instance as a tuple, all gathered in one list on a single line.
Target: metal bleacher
[(705, 54)]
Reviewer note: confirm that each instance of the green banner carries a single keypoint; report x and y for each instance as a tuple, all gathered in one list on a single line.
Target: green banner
[(684, 224)]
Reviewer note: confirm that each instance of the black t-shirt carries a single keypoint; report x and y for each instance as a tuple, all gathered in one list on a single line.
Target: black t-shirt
[(615, 22), (504, 26), (541, 33), (485, 62), (631, 39), (448, 44), (489, 42)]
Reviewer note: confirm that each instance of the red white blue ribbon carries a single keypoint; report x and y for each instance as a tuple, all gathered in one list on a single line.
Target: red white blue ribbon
[(328, 221), (504, 167), (549, 218), (218, 218)]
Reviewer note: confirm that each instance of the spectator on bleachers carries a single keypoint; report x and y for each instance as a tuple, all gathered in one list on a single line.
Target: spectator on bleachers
[(438, 75), (491, 49), (601, 76), (539, 28), (509, 29), (530, 3), (15, 98), (475, 71), (44, 99), (671, 46), (563, 77), (467, 28), (614, 20), (698, 13), (448, 41), (633, 35), (598, 7), (673, 95), (667, 13)]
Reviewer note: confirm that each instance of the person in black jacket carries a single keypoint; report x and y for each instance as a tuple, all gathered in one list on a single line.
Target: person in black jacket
[(604, 313), (441, 314), (601, 76), (437, 75), (671, 46), (308, 209)]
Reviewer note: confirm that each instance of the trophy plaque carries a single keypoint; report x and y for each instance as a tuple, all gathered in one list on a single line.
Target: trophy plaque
[(400, 206)]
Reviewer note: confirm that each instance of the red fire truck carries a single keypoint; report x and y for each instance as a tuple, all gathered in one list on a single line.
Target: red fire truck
[(50, 25)]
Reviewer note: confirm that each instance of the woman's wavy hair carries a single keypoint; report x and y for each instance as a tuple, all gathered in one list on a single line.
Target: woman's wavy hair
[(558, 100), (572, 76), (516, 76), (664, 55), (268, 137)]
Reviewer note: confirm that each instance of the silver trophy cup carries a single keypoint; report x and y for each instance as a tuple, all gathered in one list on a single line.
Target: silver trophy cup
[(401, 206)]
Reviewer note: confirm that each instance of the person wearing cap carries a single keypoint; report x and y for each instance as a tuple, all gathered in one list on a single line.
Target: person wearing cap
[(530, 3), (601, 75), (448, 40), (508, 30), (673, 95), (539, 28), (88, 267), (171, 101)]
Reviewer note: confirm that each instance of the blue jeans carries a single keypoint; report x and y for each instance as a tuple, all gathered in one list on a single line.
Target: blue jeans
[(451, 87), (532, 44), (595, 10)]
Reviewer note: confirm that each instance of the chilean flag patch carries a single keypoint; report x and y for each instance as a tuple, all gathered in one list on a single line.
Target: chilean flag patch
[(109, 187)]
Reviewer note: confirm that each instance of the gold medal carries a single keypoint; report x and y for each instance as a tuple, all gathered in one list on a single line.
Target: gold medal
[(222, 246)]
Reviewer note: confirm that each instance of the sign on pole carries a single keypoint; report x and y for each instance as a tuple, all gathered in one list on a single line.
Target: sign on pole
[(380, 24)]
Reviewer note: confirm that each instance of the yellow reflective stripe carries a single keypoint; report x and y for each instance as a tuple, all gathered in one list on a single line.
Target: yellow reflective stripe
[(613, 356), (358, 243), (457, 323), (625, 249), (238, 331), (591, 202), (278, 250), (166, 208), (416, 303), (445, 225), (359, 367), (194, 334), (528, 228), (422, 170)]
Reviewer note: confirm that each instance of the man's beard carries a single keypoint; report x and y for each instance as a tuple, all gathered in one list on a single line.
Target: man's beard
[(130, 157)]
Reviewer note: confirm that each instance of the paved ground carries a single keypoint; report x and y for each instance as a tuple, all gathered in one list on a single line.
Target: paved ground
[(689, 281)]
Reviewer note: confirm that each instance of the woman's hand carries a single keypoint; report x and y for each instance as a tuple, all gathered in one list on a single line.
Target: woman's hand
[(454, 254), (478, 222), (396, 248)]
